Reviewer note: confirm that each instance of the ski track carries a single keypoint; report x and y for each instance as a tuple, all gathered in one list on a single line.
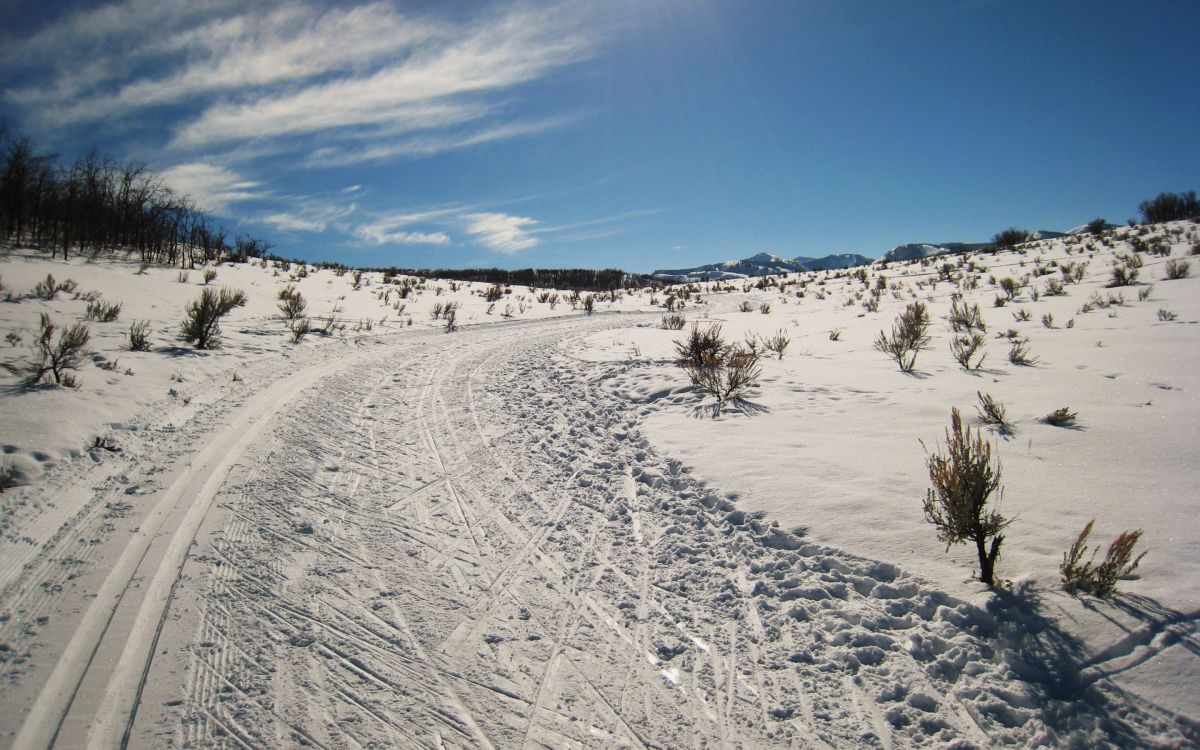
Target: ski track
[(463, 541)]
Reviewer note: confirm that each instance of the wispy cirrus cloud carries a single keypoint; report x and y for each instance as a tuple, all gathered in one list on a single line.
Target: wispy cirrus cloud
[(502, 232), (222, 74), (211, 187), (397, 229)]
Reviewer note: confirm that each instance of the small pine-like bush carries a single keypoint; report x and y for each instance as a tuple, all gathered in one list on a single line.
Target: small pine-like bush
[(54, 358), (201, 318), (49, 287), (1100, 580), (964, 480)]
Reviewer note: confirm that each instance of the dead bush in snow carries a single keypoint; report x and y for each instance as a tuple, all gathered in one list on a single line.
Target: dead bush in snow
[(291, 304), (52, 357), (1101, 579), (1061, 417), (1178, 269), (139, 336), (102, 311), (910, 334), (673, 322), (965, 346), (49, 288), (958, 503), (778, 343), (201, 318), (702, 347)]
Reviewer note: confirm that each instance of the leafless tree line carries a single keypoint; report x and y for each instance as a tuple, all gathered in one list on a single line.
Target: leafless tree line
[(97, 204)]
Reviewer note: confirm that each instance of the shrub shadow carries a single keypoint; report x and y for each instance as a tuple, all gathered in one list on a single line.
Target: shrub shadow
[(733, 406), (1078, 696)]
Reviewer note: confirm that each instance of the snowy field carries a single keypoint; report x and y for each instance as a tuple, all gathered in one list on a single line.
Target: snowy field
[(533, 532)]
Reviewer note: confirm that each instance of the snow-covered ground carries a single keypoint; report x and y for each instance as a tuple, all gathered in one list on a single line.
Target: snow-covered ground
[(533, 532)]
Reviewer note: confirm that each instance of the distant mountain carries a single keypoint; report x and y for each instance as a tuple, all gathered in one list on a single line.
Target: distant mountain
[(763, 264), (828, 262), (918, 250)]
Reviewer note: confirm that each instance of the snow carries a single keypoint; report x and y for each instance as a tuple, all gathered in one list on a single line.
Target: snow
[(532, 530)]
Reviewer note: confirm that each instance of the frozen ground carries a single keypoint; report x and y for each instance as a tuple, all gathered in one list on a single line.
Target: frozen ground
[(531, 532)]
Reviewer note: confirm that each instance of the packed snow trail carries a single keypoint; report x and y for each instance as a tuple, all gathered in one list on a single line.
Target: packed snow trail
[(461, 540)]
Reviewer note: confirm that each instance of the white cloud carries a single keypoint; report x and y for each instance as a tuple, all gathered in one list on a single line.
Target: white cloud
[(429, 144), (312, 216), (502, 232), (427, 88), (211, 187), (392, 230), (373, 81)]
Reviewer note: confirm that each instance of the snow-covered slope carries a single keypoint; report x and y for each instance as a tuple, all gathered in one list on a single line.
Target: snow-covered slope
[(533, 531)]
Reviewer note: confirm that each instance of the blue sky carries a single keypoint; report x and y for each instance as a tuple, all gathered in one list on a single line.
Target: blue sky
[(637, 134)]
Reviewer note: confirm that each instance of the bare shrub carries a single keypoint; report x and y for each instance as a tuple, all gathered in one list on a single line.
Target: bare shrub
[(765, 308), (1019, 353), (103, 312), (957, 504), (702, 347), (201, 318), (299, 328), (1166, 315), (210, 274), (1100, 580), (1048, 320), (1061, 417), (965, 346), (778, 343), (992, 412), (291, 304), (589, 303), (54, 358), (909, 336), (1145, 292), (1125, 273), (1010, 287), (731, 377), (1055, 288), (835, 334), (139, 336), (182, 277), (673, 322), (965, 318), (493, 293), (1178, 269), (48, 288), (1022, 315)]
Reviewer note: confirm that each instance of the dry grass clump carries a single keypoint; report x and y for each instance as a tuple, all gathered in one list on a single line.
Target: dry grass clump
[(1100, 580)]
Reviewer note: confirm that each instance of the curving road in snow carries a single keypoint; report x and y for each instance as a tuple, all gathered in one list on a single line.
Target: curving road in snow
[(462, 540)]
